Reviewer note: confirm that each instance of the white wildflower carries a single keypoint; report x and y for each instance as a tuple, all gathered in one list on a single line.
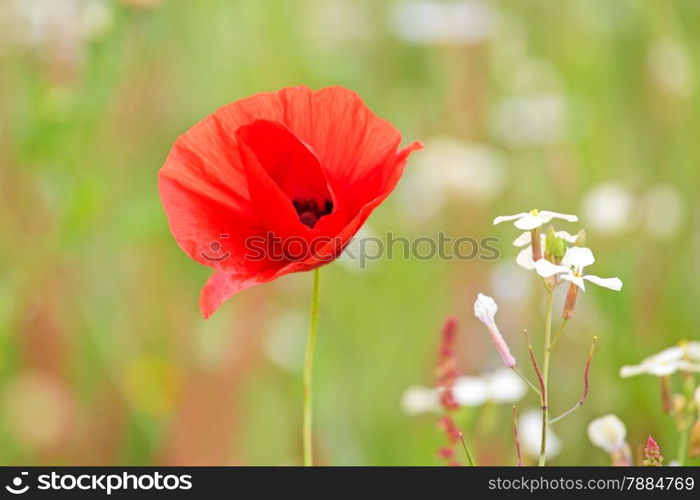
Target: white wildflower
[(684, 357), (533, 219), (571, 269), (608, 433)]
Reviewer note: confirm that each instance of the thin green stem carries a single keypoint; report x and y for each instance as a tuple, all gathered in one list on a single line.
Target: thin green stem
[(683, 447), (308, 371), (557, 335), (545, 375), (470, 456), (526, 380)]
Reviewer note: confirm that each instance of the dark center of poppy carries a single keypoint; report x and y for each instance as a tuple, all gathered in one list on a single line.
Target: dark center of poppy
[(309, 211)]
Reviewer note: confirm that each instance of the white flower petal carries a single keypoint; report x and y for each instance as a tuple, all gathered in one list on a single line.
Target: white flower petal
[(576, 280), (569, 238), (505, 218), (687, 366), (663, 369), (578, 257), (546, 269), (524, 259), (669, 354), (692, 351), (608, 433), (548, 215), (611, 283), (523, 239), (528, 222), (666, 362), (632, 370)]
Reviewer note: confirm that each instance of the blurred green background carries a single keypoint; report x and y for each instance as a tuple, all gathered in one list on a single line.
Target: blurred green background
[(586, 107)]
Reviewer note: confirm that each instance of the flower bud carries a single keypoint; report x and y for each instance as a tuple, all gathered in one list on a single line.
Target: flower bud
[(666, 396), (559, 250), (570, 304), (485, 310), (549, 243), (581, 239), (536, 243)]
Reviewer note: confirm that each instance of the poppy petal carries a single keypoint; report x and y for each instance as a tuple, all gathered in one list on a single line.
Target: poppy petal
[(220, 287), (353, 144), (295, 169)]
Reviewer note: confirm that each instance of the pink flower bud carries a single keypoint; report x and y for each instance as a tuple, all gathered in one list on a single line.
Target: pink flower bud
[(485, 310)]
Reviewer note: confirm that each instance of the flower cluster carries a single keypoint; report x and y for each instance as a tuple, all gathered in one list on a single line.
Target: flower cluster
[(652, 454), (557, 255)]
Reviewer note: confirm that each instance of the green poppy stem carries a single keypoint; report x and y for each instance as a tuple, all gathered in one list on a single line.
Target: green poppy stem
[(307, 431)]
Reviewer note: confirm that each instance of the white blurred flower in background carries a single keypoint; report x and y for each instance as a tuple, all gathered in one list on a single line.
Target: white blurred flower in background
[(470, 391), (670, 67), (504, 386), (530, 120), (499, 386), (608, 208), (608, 433), (433, 22), (450, 168), (684, 357), (530, 433), (418, 399), (661, 209), (54, 28)]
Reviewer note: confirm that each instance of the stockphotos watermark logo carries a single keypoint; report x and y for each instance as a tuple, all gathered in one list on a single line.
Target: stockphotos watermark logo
[(18, 486), (364, 249), (100, 483)]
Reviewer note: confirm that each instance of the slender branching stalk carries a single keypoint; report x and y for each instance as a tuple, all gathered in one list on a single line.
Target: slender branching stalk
[(557, 335), (545, 375), (517, 437), (527, 380), (583, 397)]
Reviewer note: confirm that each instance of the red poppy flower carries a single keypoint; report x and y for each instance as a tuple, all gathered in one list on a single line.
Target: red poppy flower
[(277, 183)]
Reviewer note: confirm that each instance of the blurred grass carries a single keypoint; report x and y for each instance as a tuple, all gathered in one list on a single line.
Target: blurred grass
[(98, 302)]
